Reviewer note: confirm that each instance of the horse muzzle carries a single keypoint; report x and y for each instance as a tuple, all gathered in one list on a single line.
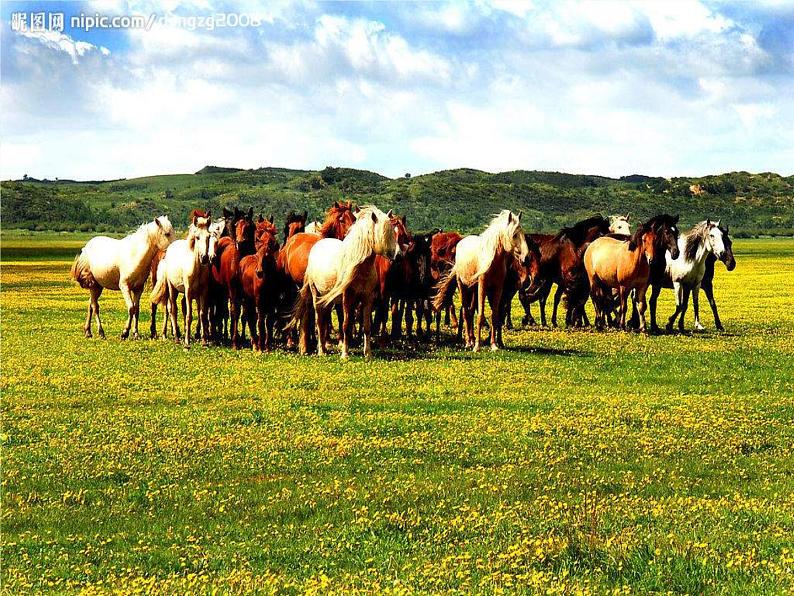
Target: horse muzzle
[(730, 262), (675, 252), (204, 260)]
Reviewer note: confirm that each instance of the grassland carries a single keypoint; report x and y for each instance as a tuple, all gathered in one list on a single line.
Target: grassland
[(571, 461)]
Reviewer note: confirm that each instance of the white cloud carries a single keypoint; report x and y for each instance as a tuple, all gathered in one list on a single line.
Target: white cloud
[(64, 43)]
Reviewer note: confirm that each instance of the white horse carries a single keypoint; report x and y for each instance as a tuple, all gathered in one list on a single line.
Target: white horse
[(120, 265), (345, 270), (185, 270), (481, 263), (686, 272), (619, 224), (313, 227)]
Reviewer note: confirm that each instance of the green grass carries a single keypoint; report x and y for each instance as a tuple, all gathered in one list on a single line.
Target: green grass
[(572, 460)]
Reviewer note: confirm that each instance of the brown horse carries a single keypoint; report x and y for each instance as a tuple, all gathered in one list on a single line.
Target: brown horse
[(625, 265), (225, 273), (295, 224), (259, 289), (264, 226), (442, 258), (521, 277), (561, 259)]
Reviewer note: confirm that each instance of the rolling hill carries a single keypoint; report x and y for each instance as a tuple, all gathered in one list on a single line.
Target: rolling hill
[(463, 199)]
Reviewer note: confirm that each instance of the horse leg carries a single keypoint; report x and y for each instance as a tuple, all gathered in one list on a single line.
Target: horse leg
[(126, 292), (557, 297), (641, 304), (623, 294), (480, 313), (695, 298), (366, 307), (684, 305), (87, 326), (542, 303), (136, 295), (526, 303), (348, 318), (187, 305), (679, 299), (453, 319), (172, 310), (495, 301), (709, 290), (204, 316), (396, 318), (320, 318), (655, 290), (409, 317), (464, 306), (153, 324)]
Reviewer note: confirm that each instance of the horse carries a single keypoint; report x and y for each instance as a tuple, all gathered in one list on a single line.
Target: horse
[(120, 265), (259, 285), (419, 290), (625, 264), (481, 266), (185, 269), (224, 273), (561, 258), (521, 277), (263, 226), (393, 276), (294, 255), (345, 270), (685, 273), (707, 283), (619, 224), (313, 227), (442, 257), (295, 224)]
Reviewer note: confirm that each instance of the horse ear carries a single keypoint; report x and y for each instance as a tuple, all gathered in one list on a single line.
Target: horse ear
[(271, 218), (717, 223), (675, 219), (627, 215), (389, 214), (195, 220), (209, 214), (236, 211), (374, 217), (305, 215), (336, 204), (260, 219), (357, 209), (520, 213), (227, 213), (157, 221), (251, 213)]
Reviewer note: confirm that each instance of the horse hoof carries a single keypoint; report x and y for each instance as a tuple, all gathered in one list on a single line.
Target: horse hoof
[(720, 328), (88, 334), (135, 336), (494, 348)]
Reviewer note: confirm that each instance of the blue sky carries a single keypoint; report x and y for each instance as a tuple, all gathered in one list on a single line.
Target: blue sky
[(612, 88)]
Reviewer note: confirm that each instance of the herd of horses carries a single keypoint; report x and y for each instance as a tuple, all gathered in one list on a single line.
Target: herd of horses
[(368, 267)]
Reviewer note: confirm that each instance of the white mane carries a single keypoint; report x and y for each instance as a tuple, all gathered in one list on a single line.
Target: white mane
[(498, 233)]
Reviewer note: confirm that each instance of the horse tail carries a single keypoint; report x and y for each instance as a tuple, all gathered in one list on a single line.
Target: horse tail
[(445, 290), (81, 272), (159, 289), (303, 306), (577, 287)]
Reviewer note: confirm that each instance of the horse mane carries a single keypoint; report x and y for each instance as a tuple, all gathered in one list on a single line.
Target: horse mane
[(357, 246), (695, 239), (576, 233), (656, 222), (330, 218), (499, 231)]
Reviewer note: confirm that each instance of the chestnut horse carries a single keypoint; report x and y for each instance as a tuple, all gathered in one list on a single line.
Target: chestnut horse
[(345, 270), (225, 272), (259, 285), (442, 258), (480, 268), (625, 265)]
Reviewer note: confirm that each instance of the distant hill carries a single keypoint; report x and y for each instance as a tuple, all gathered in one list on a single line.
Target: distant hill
[(462, 199)]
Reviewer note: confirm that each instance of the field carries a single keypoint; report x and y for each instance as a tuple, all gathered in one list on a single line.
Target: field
[(571, 461)]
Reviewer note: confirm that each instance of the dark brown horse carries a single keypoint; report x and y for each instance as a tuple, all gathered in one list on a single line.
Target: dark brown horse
[(295, 224), (259, 281), (561, 260), (521, 277), (392, 276)]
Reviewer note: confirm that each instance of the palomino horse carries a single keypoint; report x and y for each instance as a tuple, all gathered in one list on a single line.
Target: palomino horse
[(295, 224), (294, 255), (561, 257), (120, 265), (707, 282), (345, 269), (185, 270), (481, 265), (619, 224), (313, 227), (625, 265), (260, 292), (685, 273), (442, 257)]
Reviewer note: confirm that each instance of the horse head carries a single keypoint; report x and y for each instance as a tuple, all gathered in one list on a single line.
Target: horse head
[(513, 239), (165, 232), (384, 234), (404, 238), (340, 217), (442, 252), (295, 224), (244, 229), (263, 227), (619, 224), (727, 255), (266, 252), (532, 267), (199, 237)]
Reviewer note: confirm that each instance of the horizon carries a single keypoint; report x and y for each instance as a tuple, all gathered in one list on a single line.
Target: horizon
[(670, 90)]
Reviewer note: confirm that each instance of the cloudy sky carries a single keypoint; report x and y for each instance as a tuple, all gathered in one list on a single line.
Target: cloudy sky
[(613, 88)]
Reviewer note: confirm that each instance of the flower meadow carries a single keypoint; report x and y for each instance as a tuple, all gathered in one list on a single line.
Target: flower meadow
[(572, 462)]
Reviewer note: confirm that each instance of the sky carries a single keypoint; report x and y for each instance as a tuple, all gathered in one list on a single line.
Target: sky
[(682, 88)]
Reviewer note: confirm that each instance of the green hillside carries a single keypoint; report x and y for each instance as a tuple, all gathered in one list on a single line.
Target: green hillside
[(753, 204)]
